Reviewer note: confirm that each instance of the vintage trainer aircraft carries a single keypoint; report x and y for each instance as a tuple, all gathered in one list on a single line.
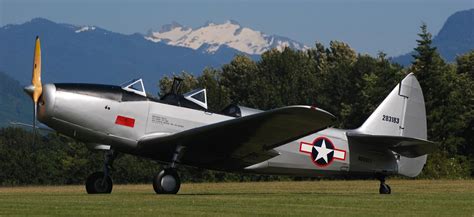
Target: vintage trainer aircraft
[(178, 129)]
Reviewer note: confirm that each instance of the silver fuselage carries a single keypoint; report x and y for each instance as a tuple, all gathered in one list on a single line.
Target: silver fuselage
[(106, 116)]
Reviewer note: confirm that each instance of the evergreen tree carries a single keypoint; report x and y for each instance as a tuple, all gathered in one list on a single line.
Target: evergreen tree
[(465, 64), (443, 91), (465, 71), (425, 52)]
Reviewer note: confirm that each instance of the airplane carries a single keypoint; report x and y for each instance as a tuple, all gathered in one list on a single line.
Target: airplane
[(178, 129)]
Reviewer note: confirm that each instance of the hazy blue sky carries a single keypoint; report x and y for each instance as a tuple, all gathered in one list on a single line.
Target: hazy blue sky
[(367, 25)]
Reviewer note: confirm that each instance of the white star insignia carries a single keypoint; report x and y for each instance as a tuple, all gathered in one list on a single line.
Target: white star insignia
[(322, 152)]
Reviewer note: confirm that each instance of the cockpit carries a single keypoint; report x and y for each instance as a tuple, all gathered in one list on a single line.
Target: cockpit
[(195, 99)]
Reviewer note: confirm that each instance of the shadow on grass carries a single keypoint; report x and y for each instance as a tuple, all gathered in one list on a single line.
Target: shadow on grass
[(270, 193)]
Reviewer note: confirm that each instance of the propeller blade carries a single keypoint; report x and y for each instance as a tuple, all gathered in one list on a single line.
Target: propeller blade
[(36, 77), (36, 88)]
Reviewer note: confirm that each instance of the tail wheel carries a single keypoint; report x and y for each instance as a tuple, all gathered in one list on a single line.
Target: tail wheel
[(97, 183), (385, 189), (167, 182)]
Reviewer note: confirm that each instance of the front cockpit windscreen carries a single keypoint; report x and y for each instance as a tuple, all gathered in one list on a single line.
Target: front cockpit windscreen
[(134, 86)]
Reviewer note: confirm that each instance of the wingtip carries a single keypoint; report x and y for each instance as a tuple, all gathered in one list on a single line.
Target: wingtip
[(324, 111)]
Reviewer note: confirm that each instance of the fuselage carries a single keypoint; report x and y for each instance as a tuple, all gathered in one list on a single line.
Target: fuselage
[(108, 115), (104, 116)]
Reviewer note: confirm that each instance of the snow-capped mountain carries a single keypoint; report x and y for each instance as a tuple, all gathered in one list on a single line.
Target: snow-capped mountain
[(85, 29), (213, 36), (91, 54)]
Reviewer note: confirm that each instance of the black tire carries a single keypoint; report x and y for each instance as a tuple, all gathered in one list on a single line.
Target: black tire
[(167, 182), (95, 184), (385, 189)]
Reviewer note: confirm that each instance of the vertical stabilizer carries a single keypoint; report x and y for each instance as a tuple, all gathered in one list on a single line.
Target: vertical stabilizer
[(402, 113)]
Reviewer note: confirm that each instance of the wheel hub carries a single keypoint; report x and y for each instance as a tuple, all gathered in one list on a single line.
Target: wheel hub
[(168, 182), (100, 185)]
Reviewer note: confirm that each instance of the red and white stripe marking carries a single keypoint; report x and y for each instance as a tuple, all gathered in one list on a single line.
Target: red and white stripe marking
[(308, 148)]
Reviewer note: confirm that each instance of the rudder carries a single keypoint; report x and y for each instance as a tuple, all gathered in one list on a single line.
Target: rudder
[(402, 113)]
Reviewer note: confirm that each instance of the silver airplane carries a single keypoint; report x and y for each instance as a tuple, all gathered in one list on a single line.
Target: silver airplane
[(178, 129)]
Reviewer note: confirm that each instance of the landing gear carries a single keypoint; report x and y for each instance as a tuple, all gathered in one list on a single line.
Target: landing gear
[(384, 188), (167, 181), (100, 182)]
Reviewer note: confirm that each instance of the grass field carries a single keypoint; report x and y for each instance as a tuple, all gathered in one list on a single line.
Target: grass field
[(318, 198)]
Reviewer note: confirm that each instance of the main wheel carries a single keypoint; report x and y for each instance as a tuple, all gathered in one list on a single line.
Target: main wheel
[(385, 189), (166, 182), (96, 184)]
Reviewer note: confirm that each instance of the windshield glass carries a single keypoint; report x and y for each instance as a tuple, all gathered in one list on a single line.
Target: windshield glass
[(128, 83), (135, 86)]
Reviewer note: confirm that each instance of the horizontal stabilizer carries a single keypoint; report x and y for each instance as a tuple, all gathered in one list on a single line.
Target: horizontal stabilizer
[(405, 146)]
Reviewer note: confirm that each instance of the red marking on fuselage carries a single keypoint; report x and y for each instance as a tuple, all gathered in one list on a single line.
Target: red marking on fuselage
[(125, 121)]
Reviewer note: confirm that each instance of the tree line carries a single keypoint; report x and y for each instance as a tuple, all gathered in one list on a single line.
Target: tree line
[(351, 86), (335, 78)]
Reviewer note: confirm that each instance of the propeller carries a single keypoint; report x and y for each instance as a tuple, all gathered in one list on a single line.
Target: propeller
[(36, 88)]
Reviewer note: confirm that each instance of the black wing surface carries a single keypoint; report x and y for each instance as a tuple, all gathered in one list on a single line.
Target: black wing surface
[(237, 143)]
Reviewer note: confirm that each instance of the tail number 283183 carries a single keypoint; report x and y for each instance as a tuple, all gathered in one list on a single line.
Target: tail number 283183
[(390, 119)]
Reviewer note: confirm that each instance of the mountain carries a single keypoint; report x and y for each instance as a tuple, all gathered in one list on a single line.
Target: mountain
[(91, 54), (455, 37), (15, 105), (211, 37), (94, 55)]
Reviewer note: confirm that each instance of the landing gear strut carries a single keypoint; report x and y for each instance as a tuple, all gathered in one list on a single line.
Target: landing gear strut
[(167, 181), (100, 182), (384, 188)]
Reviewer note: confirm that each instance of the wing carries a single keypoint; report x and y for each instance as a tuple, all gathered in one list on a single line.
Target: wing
[(405, 146), (237, 143)]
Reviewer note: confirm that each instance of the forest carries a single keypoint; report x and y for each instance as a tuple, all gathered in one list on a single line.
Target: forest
[(335, 78)]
